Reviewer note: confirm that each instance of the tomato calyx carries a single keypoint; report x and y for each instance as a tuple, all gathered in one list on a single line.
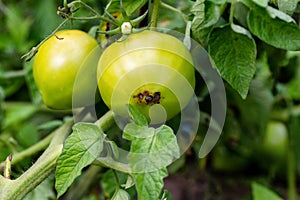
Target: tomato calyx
[(126, 28), (126, 25)]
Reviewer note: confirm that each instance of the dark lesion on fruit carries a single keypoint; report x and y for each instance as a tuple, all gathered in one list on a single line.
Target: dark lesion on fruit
[(148, 98)]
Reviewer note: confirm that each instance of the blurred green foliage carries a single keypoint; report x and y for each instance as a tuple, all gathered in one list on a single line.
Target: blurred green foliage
[(274, 92)]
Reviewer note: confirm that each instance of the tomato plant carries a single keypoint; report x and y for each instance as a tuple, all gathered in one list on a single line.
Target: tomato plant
[(147, 59), (146, 69), (57, 64)]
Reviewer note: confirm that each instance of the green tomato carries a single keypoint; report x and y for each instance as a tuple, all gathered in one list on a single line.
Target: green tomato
[(275, 144), (57, 65), (148, 70)]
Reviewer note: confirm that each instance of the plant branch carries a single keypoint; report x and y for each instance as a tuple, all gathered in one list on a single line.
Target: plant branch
[(44, 166), (291, 175), (154, 15), (231, 16), (106, 121), (183, 16), (28, 56), (41, 145), (96, 14)]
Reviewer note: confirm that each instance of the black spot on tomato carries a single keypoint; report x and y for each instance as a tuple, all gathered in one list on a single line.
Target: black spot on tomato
[(156, 98), (149, 99)]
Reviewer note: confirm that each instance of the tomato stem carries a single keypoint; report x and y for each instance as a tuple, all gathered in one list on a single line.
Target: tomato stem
[(117, 179), (18, 188), (28, 56), (291, 175), (154, 16), (30, 151), (184, 17), (231, 15)]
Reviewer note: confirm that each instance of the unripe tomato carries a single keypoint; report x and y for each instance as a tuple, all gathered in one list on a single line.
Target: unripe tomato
[(56, 66), (275, 142), (147, 69)]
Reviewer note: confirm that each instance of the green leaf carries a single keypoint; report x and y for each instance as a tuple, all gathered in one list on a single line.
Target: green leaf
[(293, 88), (153, 153), (255, 3), (17, 113), (198, 10), (33, 90), (129, 182), (202, 25), (111, 148), (274, 13), (81, 148), (152, 150), (218, 1), (274, 31), (133, 131), (137, 116), (50, 125), (260, 192), (287, 6), (18, 27), (108, 182), (262, 3), (167, 18), (27, 135), (121, 195), (149, 184), (44, 19), (129, 5), (260, 98), (234, 53)]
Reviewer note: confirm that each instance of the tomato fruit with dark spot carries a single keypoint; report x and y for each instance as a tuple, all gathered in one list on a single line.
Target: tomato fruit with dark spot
[(146, 69)]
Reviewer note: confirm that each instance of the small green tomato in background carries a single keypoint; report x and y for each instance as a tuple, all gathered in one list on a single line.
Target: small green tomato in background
[(150, 70), (56, 66), (275, 142)]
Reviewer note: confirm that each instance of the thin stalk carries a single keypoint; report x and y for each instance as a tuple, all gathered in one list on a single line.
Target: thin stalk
[(97, 15), (41, 145), (106, 121), (34, 50), (291, 159), (39, 171), (231, 15), (14, 74), (87, 7), (183, 16), (291, 175), (45, 165), (154, 16), (117, 179)]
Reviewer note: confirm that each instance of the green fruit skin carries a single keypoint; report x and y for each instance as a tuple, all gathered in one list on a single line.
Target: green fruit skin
[(56, 66), (148, 61)]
